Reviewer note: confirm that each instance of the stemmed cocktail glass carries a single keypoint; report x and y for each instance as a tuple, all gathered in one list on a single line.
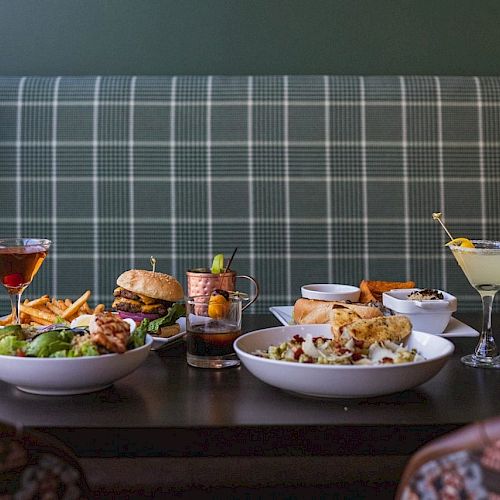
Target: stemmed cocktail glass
[(480, 263), (20, 259)]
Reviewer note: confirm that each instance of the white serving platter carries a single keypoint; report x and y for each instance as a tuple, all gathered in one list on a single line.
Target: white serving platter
[(455, 328)]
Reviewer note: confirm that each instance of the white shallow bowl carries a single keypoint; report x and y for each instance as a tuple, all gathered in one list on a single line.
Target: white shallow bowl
[(330, 291), (431, 316), (65, 376), (340, 381)]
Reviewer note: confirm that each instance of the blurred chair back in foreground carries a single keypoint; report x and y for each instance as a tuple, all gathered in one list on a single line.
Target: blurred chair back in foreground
[(35, 465), (462, 464)]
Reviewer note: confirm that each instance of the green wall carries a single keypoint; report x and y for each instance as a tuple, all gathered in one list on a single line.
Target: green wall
[(49, 37)]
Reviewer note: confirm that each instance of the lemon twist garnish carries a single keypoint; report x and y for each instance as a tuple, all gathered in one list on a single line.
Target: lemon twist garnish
[(461, 242)]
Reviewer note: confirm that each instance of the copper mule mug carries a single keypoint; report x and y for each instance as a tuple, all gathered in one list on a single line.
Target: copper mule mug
[(201, 282)]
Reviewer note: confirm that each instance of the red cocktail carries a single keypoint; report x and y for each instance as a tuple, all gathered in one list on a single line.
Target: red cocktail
[(20, 259)]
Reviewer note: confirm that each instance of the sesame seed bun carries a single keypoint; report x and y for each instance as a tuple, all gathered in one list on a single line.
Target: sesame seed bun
[(152, 284)]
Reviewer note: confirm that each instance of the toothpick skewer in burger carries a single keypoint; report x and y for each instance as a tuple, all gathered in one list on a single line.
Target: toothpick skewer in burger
[(149, 295)]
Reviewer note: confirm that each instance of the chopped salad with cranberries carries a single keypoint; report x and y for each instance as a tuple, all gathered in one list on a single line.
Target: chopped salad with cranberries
[(326, 351)]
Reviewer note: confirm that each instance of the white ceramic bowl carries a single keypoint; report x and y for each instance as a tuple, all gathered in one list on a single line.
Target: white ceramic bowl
[(63, 376), (330, 291), (340, 381), (431, 316)]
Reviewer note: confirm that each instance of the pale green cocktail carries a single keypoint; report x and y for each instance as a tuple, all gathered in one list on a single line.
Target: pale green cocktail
[(481, 266)]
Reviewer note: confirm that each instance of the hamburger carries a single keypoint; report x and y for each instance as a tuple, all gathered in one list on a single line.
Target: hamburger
[(152, 296)]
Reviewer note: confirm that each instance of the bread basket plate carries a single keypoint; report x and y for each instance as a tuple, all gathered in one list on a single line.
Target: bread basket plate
[(455, 328), (340, 381)]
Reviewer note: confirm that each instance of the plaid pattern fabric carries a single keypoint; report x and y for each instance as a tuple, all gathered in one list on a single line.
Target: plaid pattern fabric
[(313, 178)]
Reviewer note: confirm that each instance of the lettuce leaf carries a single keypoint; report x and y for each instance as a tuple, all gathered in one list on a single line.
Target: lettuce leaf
[(83, 349), (173, 314), (78, 351), (49, 343), (10, 344), (14, 330), (138, 337), (59, 354)]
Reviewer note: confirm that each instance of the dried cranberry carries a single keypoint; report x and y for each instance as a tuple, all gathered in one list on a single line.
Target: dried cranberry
[(387, 361), (298, 353), (298, 338), (359, 343), (356, 356)]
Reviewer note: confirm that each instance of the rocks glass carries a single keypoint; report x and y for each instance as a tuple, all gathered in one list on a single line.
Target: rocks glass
[(211, 330)]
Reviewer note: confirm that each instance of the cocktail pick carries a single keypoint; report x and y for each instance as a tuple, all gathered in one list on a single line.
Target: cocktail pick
[(153, 262), (437, 216)]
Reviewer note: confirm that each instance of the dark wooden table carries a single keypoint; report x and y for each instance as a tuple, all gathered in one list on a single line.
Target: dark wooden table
[(168, 410)]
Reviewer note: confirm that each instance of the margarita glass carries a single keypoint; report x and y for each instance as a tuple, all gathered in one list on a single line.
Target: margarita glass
[(481, 266), (20, 260)]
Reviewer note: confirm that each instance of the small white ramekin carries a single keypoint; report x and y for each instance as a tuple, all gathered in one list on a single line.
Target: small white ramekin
[(431, 316), (330, 291)]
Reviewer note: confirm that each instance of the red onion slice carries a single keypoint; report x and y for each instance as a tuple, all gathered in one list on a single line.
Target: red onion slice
[(137, 317)]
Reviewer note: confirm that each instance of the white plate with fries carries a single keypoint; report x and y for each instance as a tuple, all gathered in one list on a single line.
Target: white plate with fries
[(45, 310)]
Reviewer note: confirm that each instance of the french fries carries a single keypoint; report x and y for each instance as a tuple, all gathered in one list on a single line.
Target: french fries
[(56, 310), (6, 321), (36, 313), (45, 310), (99, 308), (73, 308), (40, 301)]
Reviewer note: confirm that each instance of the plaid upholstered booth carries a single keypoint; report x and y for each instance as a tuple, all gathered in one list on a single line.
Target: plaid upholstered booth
[(313, 178)]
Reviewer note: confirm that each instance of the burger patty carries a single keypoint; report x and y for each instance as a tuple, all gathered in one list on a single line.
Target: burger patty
[(127, 294), (122, 292), (134, 306), (128, 301)]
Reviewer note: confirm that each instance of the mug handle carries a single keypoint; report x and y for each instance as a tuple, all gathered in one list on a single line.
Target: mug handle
[(256, 287)]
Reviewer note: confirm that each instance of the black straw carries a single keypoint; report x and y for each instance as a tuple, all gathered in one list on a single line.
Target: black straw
[(231, 259), (227, 268)]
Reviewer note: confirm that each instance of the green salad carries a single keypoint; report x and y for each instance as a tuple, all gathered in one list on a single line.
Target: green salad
[(58, 341)]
